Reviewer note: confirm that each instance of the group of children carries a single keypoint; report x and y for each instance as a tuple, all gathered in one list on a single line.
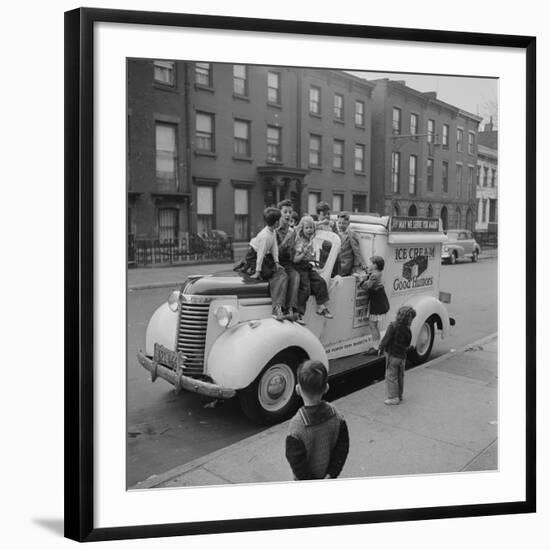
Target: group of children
[(283, 254)]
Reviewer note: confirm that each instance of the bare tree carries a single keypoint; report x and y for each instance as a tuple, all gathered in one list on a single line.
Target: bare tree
[(489, 112)]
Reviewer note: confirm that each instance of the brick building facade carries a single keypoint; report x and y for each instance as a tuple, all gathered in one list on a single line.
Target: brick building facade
[(424, 155), (211, 144)]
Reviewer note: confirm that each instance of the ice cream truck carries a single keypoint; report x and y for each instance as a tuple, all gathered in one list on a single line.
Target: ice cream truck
[(216, 336)]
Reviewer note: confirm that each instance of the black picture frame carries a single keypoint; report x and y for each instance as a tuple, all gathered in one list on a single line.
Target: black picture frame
[(79, 266)]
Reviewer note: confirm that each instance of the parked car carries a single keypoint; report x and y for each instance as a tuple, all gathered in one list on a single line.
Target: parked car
[(460, 245), (215, 335)]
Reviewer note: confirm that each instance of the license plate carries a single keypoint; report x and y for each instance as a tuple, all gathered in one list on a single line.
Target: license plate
[(167, 357)]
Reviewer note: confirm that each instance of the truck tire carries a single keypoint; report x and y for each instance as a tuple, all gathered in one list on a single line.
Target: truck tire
[(424, 343), (272, 397)]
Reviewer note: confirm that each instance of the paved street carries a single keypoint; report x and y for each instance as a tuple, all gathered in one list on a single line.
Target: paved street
[(165, 430)]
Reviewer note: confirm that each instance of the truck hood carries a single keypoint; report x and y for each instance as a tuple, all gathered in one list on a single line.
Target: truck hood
[(227, 283)]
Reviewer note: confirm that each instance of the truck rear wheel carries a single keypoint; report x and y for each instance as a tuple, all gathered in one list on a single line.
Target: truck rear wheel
[(424, 343), (272, 398)]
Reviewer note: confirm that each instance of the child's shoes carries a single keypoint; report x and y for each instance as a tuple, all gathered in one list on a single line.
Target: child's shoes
[(392, 401), (277, 313), (323, 310)]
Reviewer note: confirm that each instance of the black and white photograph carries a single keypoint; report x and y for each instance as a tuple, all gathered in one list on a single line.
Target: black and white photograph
[(312, 275)]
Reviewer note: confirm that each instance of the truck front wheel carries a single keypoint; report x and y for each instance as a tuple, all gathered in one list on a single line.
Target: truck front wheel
[(272, 398), (424, 343)]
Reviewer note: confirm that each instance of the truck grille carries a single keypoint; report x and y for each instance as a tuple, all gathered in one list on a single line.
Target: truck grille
[(193, 322)]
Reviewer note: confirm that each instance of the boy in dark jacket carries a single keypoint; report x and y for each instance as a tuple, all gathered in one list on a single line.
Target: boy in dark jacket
[(395, 345), (317, 443)]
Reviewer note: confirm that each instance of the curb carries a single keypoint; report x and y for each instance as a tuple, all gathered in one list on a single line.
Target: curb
[(145, 286), (157, 479)]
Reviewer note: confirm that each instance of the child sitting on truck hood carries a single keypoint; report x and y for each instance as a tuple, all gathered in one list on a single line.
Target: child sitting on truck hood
[(262, 261)]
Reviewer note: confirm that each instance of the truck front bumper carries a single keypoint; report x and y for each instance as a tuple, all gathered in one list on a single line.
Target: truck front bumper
[(181, 381)]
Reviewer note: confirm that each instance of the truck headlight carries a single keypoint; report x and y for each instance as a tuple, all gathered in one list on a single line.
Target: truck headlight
[(174, 300), (226, 316)]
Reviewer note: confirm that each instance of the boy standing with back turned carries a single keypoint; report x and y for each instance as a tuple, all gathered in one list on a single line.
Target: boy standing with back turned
[(317, 443)]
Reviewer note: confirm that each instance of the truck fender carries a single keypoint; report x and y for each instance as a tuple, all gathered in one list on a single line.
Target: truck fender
[(162, 329), (240, 353), (425, 307)]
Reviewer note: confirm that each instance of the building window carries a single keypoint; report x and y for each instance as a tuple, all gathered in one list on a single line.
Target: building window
[(205, 132), (164, 72), (458, 180), (412, 211), (313, 199), (430, 174), (241, 231), (337, 203), (166, 155), (315, 150), (395, 163), (431, 130), (483, 210), (359, 113), (168, 224), (241, 132), (492, 210), (315, 100), (203, 74), (493, 177), (338, 107), (274, 87), (471, 143), (240, 80), (396, 121), (471, 180), (485, 176), (414, 124), (459, 139), (413, 161), (273, 144), (445, 137), (445, 176), (338, 154), (359, 157), (359, 203), (205, 209)]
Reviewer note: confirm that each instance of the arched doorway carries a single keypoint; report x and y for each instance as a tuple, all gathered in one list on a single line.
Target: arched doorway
[(444, 218), (430, 211), (412, 211), (458, 217)]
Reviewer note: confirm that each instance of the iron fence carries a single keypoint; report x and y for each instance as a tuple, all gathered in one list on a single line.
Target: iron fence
[(210, 246), (486, 240)]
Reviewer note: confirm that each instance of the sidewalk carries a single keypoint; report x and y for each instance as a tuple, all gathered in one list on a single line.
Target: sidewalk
[(172, 276), (447, 422)]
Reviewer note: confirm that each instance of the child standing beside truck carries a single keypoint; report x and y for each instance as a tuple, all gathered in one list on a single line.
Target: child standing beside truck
[(310, 281), (377, 299), (395, 345), (317, 443)]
